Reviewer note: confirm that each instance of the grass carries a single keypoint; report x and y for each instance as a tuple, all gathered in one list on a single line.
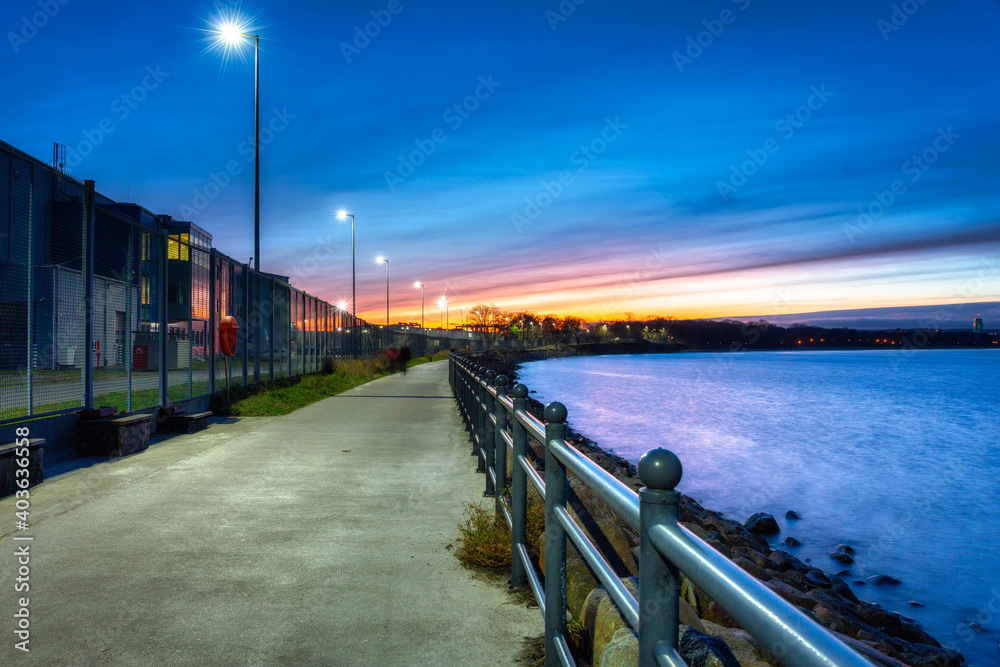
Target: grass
[(271, 399), (484, 538)]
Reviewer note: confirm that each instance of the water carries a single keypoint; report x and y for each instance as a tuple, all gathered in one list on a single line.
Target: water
[(895, 453)]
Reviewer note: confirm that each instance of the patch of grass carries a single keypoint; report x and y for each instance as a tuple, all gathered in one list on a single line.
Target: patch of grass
[(484, 539), (285, 395)]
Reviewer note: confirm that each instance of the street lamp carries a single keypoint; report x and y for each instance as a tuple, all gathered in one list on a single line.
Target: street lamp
[(231, 33), (344, 215), (443, 305), (421, 286), (383, 260), (463, 309)]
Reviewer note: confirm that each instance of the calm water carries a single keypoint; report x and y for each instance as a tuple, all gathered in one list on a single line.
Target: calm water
[(896, 454)]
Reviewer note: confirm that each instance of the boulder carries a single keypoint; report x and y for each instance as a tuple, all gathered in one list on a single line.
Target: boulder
[(621, 651), (746, 649), (793, 595), (883, 580), (792, 542), (701, 650), (762, 523), (846, 548), (792, 514), (817, 577), (842, 557)]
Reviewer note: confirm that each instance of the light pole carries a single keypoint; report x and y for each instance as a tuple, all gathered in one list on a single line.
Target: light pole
[(232, 33), (421, 286), (463, 308), (383, 260), (344, 215), (443, 305)]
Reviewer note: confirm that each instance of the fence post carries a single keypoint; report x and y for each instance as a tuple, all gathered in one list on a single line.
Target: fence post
[(555, 534), (489, 431), (499, 444), (518, 488), (480, 418), (659, 582)]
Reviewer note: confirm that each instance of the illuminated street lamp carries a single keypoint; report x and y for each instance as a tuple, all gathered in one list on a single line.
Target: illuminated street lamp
[(344, 215), (383, 260), (231, 33), (421, 286), (443, 305)]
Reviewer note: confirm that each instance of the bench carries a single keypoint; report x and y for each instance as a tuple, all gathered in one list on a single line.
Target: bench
[(183, 422), (113, 436), (8, 465)]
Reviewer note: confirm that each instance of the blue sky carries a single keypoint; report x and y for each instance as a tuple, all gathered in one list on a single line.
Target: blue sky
[(612, 159)]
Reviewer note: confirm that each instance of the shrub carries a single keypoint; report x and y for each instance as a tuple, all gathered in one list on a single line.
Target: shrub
[(484, 539)]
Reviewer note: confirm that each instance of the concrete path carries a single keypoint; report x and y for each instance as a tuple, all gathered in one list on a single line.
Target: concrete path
[(262, 542)]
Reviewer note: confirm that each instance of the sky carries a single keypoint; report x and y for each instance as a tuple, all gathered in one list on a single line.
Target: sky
[(733, 158)]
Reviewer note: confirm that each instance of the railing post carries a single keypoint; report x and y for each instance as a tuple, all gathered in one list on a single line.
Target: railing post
[(499, 445), (480, 392), (518, 488), (489, 431), (555, 534), (659, 582)]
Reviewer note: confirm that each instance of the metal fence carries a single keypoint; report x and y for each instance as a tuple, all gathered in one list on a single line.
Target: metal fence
[(108, 304), (500, 424)]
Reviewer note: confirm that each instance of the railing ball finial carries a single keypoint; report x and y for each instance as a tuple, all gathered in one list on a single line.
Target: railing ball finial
[(501, 380), (555, 413), (519, 391), (659, 469), (490, 375)]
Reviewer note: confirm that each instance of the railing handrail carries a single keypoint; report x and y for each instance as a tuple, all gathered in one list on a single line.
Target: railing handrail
[(666, 547)]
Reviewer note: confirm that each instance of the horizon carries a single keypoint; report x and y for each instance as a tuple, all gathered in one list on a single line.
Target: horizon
[(629, 162)]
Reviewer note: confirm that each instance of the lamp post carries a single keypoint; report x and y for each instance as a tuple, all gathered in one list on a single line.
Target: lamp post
[(421, 286), (383, 260), (443, 305), (344, 215), (463, 308), (232, 33)]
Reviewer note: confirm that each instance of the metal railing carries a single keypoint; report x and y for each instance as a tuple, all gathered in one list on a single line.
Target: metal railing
[(666, 548)]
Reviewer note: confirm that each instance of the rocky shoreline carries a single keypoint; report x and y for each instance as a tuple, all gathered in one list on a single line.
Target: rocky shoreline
[(886, 638)]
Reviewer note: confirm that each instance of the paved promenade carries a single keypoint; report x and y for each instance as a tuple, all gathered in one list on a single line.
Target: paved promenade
[(263, 542)]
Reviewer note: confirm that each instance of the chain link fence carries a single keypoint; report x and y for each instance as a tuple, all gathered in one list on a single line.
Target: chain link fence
[(107, 304)]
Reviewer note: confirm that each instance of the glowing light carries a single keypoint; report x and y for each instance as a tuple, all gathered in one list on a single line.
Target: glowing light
[(230, 33), (342, 305), (418, 284), (380, 260), (342, 214)]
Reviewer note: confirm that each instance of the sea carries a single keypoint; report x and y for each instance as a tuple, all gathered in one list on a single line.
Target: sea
[(895, 453)]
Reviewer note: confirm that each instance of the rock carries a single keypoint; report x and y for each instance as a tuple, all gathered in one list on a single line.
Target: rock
[(792, 542), (714, 613), (859, 582), (792, 514), (913, 632), (791, 594), (621, 651), (762, 523), (844, 573), (786, 561), (842, 557), (751, 567), (835, 621), (876, 656), (846, 548), (746, 649), (701, 650), (914, 603), (883, 580), (817, 577), (840, 587)]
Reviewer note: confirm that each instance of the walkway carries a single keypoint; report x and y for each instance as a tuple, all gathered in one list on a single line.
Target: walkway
[(318, 538)]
